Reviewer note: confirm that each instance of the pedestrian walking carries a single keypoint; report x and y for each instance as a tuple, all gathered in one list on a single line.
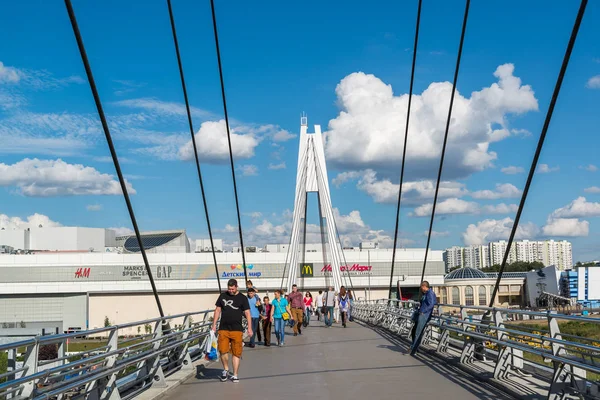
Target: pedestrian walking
[(280, 313)]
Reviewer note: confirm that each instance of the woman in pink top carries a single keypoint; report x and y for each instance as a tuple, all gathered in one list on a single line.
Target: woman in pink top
[(308, 302)]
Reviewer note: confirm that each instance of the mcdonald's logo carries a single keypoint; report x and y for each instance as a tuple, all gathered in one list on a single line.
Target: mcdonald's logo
[(306, 270)]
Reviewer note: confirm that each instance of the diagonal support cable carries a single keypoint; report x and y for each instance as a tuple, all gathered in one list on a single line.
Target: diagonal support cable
[(412, 80), (237, 203), (189, 117), (437, 186), (113, 153), (538, 150)]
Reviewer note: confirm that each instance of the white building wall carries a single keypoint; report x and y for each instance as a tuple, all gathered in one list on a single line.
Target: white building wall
[(203, 245), (17, 238)]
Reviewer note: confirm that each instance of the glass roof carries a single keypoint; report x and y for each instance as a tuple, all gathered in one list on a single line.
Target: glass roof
[(466, 273), (149, 241)]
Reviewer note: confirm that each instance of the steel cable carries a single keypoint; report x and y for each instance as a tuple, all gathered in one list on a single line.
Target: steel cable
[(113, 153), (538, 150), (437, 186), (189, 117), (412, 79), (237, 203)]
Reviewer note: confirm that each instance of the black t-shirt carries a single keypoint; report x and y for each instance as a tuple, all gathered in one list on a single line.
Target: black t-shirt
[(232, 309)]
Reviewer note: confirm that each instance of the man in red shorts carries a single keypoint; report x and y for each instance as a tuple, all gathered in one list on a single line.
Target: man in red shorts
[(231, 306)]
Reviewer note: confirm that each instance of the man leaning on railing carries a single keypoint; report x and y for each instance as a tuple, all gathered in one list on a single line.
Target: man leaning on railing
[(422, 315)]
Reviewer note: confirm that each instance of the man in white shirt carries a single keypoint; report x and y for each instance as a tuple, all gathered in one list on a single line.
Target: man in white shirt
[(329, 301), (319, 304)]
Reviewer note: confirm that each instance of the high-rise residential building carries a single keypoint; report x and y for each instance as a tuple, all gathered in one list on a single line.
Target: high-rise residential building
[(453, 257), (548, 252)]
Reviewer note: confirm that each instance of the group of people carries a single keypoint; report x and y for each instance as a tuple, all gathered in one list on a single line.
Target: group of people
[(291, 309)]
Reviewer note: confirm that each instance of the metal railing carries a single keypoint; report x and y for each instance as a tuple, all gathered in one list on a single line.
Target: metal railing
[(115, 367), (568, 364)]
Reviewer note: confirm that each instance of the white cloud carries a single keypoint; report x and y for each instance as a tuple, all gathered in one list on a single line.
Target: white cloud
[(230, 228), (492, 229), (384, 191), (248, 170), (167, 108), (122, 231), (458, 206), (500, 209), (283, 136), (572, 227), (503, 190), (449, 206), (545, 169), (512, 170), (590, 167), (366, 133), (592, 189), (212, 144), (33, 221), (281, 165), (9, 74), (578, 208), (435, 234), (45, 178), (593, 82), (523, 132), (94, 207), (344, 177)]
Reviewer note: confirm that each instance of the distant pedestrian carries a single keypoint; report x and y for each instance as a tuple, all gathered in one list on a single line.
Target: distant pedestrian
[(249, 286), (308, 304), (297, 306), (319, 305), (422, 315), (351, 298), (279, 311), (329, 303), (230, 307), (265, 315), (344, 303), (254, 302)]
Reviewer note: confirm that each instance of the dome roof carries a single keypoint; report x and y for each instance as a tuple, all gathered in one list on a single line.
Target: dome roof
[(466, 273)]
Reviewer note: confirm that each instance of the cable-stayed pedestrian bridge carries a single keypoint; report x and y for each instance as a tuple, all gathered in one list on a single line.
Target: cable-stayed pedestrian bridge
[(468, 352)]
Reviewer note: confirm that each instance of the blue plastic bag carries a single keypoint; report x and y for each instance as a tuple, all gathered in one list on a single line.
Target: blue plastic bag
[(211, 347)]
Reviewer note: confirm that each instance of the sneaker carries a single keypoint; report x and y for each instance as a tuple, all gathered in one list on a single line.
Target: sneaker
[(235, 379), (223, 376)]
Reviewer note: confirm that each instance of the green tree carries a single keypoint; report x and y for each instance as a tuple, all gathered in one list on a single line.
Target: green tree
[(106, 322), (139, 329), (148, 328)]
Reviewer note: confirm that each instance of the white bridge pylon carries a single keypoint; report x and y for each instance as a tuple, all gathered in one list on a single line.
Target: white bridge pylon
[(312, 177)]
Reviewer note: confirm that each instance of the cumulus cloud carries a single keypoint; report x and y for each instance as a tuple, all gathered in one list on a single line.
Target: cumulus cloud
[(213, 146), (578, 208), (281, 165), (593, 82), (512, 170), (45, 178), (449, 206), (384, 191), (546, 169), (590, 167), (248, 170), (458, 206), (9, 74), (32, 221), (503, 190), (366, 133), (571, 227), (492, 229), (592, 189)]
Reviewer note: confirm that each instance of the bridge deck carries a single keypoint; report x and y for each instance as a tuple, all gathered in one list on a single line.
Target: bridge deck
[(354, 363)]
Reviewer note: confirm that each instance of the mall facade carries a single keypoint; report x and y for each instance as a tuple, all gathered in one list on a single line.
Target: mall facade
[(81, 290)]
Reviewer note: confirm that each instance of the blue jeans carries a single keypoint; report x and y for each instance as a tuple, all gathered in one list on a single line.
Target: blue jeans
[(307, 315), (279, 329), (329, 316), (254, 330), (421, 323)]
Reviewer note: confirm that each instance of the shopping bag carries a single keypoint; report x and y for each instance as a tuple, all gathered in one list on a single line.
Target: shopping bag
[(211, 347)]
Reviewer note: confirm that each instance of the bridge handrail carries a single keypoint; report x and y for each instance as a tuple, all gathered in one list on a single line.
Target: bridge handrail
[(110, 370), (571, 360)]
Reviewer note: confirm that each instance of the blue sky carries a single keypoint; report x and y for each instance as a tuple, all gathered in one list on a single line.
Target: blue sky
[(348, 67)]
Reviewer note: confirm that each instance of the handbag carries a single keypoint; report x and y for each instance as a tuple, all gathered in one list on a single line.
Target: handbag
[(284, 315)]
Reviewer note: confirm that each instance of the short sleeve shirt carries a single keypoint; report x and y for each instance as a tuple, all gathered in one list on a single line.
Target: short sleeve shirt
[(253, 309), (279, 307), (232, 310)]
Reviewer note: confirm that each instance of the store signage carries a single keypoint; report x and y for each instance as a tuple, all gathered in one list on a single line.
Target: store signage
[(356, 268), (306, 270), (82, 273), (139, 271), (239, 271)]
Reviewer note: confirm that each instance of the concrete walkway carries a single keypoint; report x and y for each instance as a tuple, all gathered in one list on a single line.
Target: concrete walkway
[(336, 363)]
